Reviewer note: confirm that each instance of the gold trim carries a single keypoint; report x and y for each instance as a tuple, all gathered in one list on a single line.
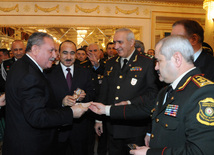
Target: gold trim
[(16, 7), (87, 10), (127, 11), (47, 9)]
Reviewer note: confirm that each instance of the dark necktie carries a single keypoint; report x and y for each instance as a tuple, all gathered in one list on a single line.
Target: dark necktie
[(169, 92), (68, 78), (124, 63)]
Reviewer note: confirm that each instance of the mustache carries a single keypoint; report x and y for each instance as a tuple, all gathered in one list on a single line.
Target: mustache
[(52, 59), (158, 71), (68, 60)]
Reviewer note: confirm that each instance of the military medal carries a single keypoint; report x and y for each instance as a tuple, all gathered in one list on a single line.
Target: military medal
[(171, 110)]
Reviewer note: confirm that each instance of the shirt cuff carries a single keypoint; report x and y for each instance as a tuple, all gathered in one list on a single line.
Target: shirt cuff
[(107, 110), (97, 121), (129, 102)]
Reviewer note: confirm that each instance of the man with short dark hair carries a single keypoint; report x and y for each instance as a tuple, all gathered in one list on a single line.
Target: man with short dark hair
[(81, 54), (195, 34), (4, 54), (72, 137), (32, 114)]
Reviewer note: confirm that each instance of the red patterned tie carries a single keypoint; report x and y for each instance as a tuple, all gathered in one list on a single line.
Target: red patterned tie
[(68, 78)]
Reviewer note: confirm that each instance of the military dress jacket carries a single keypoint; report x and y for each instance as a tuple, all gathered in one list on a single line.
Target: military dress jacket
[(185, 123), (205, 62), (136, 83)]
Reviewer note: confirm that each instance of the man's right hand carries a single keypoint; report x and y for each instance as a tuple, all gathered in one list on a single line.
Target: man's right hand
[(69, 100), (97, 108), (79, 109), (98, 128)]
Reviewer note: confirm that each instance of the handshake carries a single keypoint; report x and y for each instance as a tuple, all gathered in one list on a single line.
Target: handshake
[(78, 108)]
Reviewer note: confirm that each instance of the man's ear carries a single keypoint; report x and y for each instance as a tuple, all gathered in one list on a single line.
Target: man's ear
[(34, 50), (178, 58), (132, 42), (194, 39)]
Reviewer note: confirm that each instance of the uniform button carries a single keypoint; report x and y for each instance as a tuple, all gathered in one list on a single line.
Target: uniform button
[(116, 98), (120, 76), (118, 87), (166, 125), (152, 136), (157, 120), (92, 78)]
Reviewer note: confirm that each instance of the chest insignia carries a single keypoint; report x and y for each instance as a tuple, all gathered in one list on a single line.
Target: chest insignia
[(136, 69), (206, 112), (133, 81), (171, 110)]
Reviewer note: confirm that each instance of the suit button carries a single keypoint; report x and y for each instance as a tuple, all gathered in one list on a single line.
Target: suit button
[(157, 120), (120, 76), (118, 87), (166, 125), (116, 98), (152, 136), (93, 79)]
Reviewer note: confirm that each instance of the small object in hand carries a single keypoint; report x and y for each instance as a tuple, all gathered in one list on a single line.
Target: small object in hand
[(77, 93), (132, 146)]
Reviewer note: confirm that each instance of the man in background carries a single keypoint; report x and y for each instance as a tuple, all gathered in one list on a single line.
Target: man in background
[(195, 34), (18, 50)]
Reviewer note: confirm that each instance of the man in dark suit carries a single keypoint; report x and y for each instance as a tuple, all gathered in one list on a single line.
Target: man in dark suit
[(74, 137), (195, 33), (32, 114), (131, 83), (18, 50)]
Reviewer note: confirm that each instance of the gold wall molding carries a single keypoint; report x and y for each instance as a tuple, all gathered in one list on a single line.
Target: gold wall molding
[(16, 7), (127, 11), (87, 10), (47, 9)]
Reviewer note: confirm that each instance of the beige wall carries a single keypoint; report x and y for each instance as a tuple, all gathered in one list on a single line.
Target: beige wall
[(144, 15)]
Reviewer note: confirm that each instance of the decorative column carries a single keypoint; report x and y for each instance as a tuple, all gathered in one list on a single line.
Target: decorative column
[(208, 5)]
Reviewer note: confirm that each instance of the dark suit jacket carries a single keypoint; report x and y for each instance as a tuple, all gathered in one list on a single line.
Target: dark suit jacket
[(205, 62), (7, 64), (135, 83), (81, 79), (31, 114), (190, 128)]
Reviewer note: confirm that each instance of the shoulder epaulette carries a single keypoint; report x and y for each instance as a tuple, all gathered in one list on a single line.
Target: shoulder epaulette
[(201, 81), (147, 55), (83, 62)]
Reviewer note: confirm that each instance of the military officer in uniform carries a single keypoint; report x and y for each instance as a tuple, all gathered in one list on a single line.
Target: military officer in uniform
[(130, 81), (183, 118)]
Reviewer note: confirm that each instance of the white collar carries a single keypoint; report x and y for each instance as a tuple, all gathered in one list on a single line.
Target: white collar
[(35, 62)]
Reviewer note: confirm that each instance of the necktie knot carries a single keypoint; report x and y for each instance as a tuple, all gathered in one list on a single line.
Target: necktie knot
[(68, 69), (124, 63), (169, 91)]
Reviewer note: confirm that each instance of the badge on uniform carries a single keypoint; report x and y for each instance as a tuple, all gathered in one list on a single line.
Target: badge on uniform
[(133, 81), (136, 69), (171, 110), (206, 112)]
